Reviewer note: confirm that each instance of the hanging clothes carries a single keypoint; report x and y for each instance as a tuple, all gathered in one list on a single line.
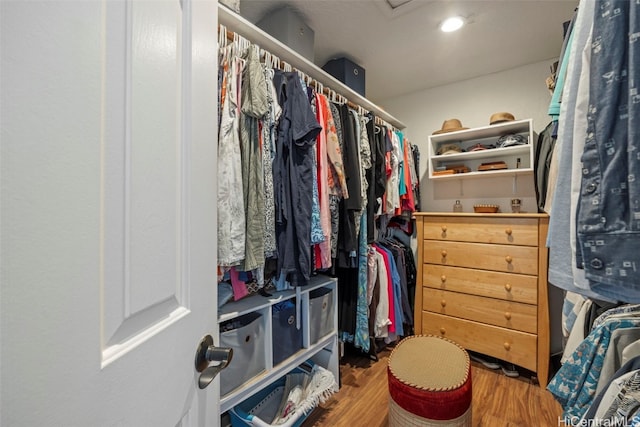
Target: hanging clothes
[(323, 249), (593, 224), (293, 178), (268, 126), (609, 206), (349, 208), (313, 176), (254, 106), (231, 209)]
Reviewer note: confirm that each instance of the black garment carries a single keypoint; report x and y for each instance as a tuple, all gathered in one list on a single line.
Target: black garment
[(597, 308), (380, 182), (351, 158), (371, 177), (347, 236), (544, 153), (415, 151), (347, 299), (293, 178)]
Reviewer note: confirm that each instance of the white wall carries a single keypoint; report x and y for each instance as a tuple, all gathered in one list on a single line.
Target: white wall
[(521, 91)]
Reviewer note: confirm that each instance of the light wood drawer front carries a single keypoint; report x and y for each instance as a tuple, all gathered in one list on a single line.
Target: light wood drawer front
[(493, 284), (516, 347), (506, 314), (504, 231), (510, 259)]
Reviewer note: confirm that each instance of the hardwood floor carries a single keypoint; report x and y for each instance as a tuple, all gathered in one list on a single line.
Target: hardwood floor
[(498, 401)]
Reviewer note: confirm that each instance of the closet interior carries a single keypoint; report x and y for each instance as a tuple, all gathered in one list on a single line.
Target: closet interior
[(316, 255), (344, 208)]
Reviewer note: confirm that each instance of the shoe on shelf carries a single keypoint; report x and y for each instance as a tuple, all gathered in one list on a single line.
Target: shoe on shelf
[(510, 370), (486, 361)]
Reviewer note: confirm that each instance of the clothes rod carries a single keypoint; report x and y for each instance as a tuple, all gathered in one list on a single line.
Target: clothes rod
[(332, 94), (236, 24)]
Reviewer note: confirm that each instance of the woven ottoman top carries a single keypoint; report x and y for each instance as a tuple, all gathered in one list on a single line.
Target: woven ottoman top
[(430, 363)]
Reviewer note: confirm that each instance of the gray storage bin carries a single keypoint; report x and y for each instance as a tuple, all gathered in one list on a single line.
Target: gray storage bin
[(287, 339), (321, 313), (245, 334)]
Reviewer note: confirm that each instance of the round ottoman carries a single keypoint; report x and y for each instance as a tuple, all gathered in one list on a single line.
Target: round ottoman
[(429, 383)]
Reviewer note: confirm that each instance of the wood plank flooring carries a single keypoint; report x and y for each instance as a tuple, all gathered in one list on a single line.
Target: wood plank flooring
[(498, 401)]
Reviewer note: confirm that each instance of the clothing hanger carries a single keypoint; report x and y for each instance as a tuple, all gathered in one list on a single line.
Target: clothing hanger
[(222, 36)]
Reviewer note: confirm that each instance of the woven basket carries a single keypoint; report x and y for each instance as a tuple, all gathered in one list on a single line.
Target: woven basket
[(429, 383)]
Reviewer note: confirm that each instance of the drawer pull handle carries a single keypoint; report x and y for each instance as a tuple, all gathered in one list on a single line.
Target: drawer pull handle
[(507, 315), (444, 228), (508, 259), (443, 331), (507, 346), (444, 253), (443, 278), (443, 303), (508, 231), (507, 287)]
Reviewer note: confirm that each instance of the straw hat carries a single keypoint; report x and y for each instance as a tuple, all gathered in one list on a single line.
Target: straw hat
[(450, 125), (500, 118)]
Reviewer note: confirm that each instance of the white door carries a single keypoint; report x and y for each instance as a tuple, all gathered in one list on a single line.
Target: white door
[(108, 211)]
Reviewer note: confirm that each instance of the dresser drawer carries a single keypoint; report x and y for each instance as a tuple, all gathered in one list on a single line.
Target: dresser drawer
[(507, 258), (506, 314), (516, 347), (493, 284), (504, 231)]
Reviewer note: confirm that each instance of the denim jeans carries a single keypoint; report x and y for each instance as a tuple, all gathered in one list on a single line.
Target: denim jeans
[(608, 211)]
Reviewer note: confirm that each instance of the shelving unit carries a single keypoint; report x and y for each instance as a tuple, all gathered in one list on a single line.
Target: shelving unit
[(324, 351), (487, 135)]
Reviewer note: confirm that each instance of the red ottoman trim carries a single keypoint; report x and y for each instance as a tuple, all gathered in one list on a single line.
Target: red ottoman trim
[(435, 405)]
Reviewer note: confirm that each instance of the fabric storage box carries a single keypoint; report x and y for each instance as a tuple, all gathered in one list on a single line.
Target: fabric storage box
[(288, 26), (348, 72), (321, 313), (245, 335), (287, 338)]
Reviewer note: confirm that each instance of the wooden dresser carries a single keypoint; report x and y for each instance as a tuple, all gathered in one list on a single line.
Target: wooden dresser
[(482, 282)]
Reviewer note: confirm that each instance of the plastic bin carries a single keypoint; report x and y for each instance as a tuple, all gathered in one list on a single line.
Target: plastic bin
[(321, 313), (261, 408), (245, 334), (287, 338)]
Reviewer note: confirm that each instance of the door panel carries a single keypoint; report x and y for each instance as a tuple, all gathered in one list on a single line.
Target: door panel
[(145, 181), (108, 206)]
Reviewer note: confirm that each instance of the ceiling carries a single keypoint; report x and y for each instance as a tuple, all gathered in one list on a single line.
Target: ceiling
[(399, 45)]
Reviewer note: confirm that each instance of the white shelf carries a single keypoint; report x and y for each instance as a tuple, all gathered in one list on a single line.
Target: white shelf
[(256, 302), (519, 159), (267, 377), (240, 25)]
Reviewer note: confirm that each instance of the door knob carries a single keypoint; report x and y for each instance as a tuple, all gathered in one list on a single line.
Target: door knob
[(207, 352)]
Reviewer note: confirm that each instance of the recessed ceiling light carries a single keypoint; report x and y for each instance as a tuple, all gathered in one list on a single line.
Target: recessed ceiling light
[(452, 24)]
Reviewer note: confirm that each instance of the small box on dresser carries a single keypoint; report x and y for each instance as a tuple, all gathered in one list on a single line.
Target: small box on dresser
[(482, 282)]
